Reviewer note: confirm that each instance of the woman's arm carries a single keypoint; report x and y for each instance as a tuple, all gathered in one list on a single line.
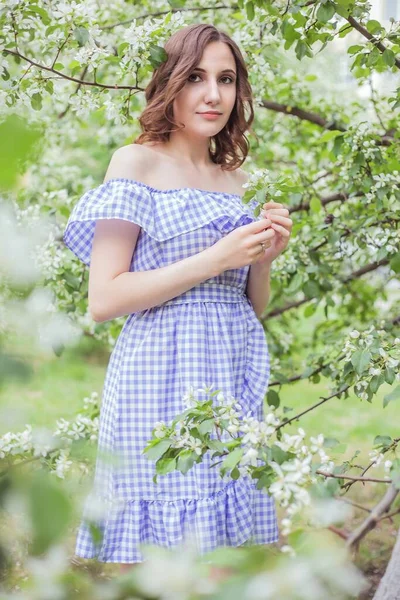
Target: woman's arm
[(114, 291), (258, 287), (258, 283)]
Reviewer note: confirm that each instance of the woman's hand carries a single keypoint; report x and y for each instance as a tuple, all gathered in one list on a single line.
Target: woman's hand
[(282, 225)]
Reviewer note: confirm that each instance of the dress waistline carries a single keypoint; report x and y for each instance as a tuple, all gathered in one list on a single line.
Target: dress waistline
[(209, 292)]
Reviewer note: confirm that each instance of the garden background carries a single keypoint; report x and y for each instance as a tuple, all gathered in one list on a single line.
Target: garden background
[(325, 82)]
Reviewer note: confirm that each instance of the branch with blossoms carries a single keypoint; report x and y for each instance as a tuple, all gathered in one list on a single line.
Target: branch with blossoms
[(52, 450), (364, 361), (286, 466)]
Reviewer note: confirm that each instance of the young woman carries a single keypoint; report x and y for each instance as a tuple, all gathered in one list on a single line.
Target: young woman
[(171, 244)]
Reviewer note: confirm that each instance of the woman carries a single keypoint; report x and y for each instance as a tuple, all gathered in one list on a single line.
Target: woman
[(170, 243)]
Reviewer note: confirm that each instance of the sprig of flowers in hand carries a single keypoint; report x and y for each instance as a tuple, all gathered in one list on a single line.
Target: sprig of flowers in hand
[(282, 225)]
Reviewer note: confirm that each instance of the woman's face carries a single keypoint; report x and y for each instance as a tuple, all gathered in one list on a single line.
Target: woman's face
[(213, 89)]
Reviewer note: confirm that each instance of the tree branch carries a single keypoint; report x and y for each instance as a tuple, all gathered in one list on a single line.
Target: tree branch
[(304, 412), (370, 37), (295, 111), (302, 114), (62, 75), (373, 518), (354, 478), (170, 10), (355, 275)]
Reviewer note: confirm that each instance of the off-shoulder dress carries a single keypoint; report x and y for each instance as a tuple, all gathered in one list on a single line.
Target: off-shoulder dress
[(207, 336)]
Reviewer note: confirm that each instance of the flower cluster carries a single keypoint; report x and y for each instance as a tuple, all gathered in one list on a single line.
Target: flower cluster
[(382, 353), (54, 448), (292, 474)]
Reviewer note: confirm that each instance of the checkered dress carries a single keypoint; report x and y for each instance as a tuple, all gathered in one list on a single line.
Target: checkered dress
[(209, 335)]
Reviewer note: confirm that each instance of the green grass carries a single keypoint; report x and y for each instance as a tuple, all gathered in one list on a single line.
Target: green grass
[(57, 387), (349, 420)]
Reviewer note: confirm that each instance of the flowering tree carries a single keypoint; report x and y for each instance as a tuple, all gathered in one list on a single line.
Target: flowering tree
[(77, 71)]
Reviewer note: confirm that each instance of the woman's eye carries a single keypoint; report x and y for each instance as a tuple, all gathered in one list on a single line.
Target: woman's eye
[(225, 77), (230, 79)]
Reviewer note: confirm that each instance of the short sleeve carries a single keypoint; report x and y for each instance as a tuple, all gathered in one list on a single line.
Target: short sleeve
[(114, 199)]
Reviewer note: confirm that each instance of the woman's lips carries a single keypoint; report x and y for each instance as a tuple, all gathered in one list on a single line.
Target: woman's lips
[(210, 116)]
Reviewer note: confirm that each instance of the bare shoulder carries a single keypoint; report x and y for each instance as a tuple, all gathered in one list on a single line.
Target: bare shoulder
[(130, 162)]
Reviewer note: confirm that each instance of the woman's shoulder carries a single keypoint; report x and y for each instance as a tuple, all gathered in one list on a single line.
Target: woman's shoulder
[(128, 162), (142, 164)]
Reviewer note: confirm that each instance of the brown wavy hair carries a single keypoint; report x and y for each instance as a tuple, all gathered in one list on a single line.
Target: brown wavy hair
[(184, 49)]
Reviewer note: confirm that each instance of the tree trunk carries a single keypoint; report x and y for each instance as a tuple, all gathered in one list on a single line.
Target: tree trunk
[(389, 586)]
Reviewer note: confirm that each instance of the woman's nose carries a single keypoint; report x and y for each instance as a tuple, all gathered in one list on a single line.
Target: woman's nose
[(213, 90)]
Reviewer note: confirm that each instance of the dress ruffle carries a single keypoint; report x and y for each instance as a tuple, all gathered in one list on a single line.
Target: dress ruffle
[(237, 514), (160, 213)]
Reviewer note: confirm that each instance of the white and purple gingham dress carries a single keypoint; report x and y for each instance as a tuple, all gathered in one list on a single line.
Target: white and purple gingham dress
[(209, 335)]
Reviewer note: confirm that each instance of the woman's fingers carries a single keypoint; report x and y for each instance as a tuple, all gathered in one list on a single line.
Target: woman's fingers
[(281, 229), (269, 205), (280, 219), (275, 211)]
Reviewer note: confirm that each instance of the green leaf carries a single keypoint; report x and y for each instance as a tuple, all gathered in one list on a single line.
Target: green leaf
[(374, 57), (325, 12), (289, 33), (390, 375), (186, 460), (158, 55), (216, 445), (360, 359), (294, 284), (81, 35), (265, 480), (206, 426), (260, 196), (278, 455), (38, 10), (235, 473), (382, 440), (156, 451), (310, 309), (374, 26), (250, 10), (315, 204), (389, 57), (375, 383), (395, 263), (337, 145), (72, 281), (165, 465), (354, 49), (273, 398), (121, 48), (301, 49), (329, 135), (311, 288), (50, 511), (36, 101), (233, 458), (395, 395)]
